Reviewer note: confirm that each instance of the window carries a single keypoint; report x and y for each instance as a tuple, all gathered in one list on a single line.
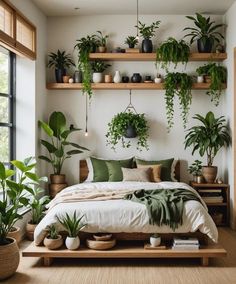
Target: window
[(7, 105)]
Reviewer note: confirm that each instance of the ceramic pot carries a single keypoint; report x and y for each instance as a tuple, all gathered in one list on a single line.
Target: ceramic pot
[(117, 77), (209, 173), (125, 79), (108, 78), (102, 49), (78, 77), (136, 78), (9, 259), (66, 79), (72, 243), (157, 80), (59, 73), (30, 228), (207, 79), (53, 243), (131, 45), (204, 46), (147, 46), (155, 242), (15, 234), (200, 79), (130, 132), (97, 77)]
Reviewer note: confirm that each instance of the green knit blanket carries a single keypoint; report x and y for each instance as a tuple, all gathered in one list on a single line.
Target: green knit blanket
[(165, 206)]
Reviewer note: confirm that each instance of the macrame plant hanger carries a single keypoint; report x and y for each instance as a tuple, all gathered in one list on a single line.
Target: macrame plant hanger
[(130, 107)]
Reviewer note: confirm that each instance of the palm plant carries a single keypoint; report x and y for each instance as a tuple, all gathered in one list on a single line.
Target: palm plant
[(101, 39), (131, 41)]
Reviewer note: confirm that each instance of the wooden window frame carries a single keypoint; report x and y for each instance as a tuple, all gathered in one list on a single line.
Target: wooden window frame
[(10, 42)]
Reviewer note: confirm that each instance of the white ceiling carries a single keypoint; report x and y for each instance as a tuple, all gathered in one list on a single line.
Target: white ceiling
[(119, 7)]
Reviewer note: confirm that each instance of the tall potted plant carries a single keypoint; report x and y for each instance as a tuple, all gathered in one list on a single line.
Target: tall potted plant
[(60, 61), (208, 138), (58, 133), (98, 67), (147, 32), (205, 32)]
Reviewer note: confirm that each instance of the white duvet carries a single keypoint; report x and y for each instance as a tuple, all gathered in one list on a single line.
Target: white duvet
[(116, 216)]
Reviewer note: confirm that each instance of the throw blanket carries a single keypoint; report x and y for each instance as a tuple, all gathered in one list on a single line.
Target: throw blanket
[(164, 206)]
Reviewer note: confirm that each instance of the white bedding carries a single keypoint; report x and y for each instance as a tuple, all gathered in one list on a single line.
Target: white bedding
[(127, 216)]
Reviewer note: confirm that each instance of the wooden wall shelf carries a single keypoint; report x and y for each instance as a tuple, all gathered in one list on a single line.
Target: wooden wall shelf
[(152, 56), (121, 86)]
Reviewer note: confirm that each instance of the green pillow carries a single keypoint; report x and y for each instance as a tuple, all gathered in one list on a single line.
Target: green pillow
[(165, 167), (100, 169), (114, 169)]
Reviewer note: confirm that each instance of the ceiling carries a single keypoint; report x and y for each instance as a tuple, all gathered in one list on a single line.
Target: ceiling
[(126, 7)]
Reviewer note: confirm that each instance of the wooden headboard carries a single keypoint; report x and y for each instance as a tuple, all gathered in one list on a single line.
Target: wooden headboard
[(84, 170)]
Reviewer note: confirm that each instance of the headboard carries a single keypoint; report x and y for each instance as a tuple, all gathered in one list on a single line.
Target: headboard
[(84, 170)]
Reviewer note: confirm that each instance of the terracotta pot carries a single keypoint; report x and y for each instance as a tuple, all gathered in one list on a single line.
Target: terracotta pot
[(108, 78), (102, 49), (15, 234), (54, 188), (209, 173), (58, 178), (9, 259), (53, 243), (207, 79), (30, 228), (66, 79)]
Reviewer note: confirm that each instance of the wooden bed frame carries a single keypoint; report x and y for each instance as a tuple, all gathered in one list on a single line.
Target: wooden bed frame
[(130, 245)]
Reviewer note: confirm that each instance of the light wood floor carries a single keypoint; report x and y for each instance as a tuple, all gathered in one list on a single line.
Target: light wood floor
[(142, 271)]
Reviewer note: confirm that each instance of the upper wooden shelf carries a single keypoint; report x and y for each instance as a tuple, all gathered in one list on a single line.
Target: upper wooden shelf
[(121, 86), (152, 56)]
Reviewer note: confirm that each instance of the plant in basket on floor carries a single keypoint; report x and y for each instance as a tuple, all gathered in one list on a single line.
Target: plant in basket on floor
[(59, 134), (208, 138)]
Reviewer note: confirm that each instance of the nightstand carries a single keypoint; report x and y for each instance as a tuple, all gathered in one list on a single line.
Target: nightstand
[(216, 197)]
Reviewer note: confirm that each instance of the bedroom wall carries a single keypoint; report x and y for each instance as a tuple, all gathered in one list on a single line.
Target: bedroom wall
[(62, 34)]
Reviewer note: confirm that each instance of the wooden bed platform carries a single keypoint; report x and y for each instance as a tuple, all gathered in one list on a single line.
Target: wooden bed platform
[(125, 251)]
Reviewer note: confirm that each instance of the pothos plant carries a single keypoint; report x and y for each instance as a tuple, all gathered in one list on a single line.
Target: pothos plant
[(172, 51), (179, 84), (118, 126)]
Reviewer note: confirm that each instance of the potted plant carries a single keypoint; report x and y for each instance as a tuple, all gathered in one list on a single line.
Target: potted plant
[(73, 225), (208, 138), (84, 46), (147, 33), (172, 51), (216, 75), (53, 240), (155, 240), (131, 41), (60, 61), (128, 125), (101, 41), (59, 133), (179, 84), (13, 199), (196, 170), (98, 67), (205, 32)]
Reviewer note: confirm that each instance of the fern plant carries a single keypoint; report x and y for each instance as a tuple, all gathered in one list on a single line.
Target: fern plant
[(172, 51), (179, 84)]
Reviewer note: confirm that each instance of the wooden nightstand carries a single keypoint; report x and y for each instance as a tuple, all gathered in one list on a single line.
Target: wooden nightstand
[(216, 197)]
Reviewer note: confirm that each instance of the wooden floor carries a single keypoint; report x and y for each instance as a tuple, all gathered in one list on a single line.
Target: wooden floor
[(132, 271)]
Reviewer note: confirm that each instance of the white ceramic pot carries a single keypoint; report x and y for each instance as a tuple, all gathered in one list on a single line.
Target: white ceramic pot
[(117, 78), (200, 79), (157, 80), (97, 77), (72, 243), (155, 242)]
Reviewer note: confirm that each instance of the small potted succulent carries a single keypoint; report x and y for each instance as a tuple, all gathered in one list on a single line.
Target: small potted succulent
[(72, 225), (155, 240), (131, 41), (53, 240), (147, 32), (196, 170), (98, 67), (101, 41)]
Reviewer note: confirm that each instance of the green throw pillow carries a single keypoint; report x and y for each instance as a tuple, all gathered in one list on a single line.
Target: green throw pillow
[(165, 167), (114, 169)]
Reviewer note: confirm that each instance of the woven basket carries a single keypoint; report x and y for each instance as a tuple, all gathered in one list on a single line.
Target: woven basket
[(16, 234), (30, 231), (9, 259), (53, 243)]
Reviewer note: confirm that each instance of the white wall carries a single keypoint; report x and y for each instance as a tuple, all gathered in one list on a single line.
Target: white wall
[(62, 34)]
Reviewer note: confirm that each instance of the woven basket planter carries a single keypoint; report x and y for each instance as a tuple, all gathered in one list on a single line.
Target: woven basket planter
[(15, 234), (30, 231), (53, 243), (9, 259)]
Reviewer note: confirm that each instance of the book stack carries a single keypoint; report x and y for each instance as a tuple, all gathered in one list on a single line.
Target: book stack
[(185, 244), (211, 195)]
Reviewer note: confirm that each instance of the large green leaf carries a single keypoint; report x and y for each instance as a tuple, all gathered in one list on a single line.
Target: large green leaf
[(50, 147), (57, 122), (45, 158), (74, 152), (2, 171), (46, 128), (19, 165)]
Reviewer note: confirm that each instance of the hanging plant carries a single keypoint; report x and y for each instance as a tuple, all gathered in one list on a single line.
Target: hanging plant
[(172, 51), (218, 76), (117, 130), (179, 84)]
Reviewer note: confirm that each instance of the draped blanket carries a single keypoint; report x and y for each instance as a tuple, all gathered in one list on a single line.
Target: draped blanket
[(164, 206)]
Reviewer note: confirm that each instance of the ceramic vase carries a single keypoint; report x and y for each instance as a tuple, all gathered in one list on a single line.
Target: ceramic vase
[(147, 46), (97, 77), (200, 79), (204, 46), (78, 77), (72, 243), (117, 78), (136, 78), (155, 241), (157, 80)]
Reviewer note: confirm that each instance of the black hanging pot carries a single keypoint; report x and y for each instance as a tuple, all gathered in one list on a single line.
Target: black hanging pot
[(147, 46), (59, 73), (130, 132), (204, 46)]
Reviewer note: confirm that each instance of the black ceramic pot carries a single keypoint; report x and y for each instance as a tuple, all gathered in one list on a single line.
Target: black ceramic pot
[(77, 77), (147, 46), (136, 78), (59, 73), (131, 45), (130, 132), (204, 46), (125, 79)]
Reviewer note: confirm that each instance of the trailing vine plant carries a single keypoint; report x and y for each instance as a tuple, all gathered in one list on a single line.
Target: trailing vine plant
[(179, 84), (172, 51)]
